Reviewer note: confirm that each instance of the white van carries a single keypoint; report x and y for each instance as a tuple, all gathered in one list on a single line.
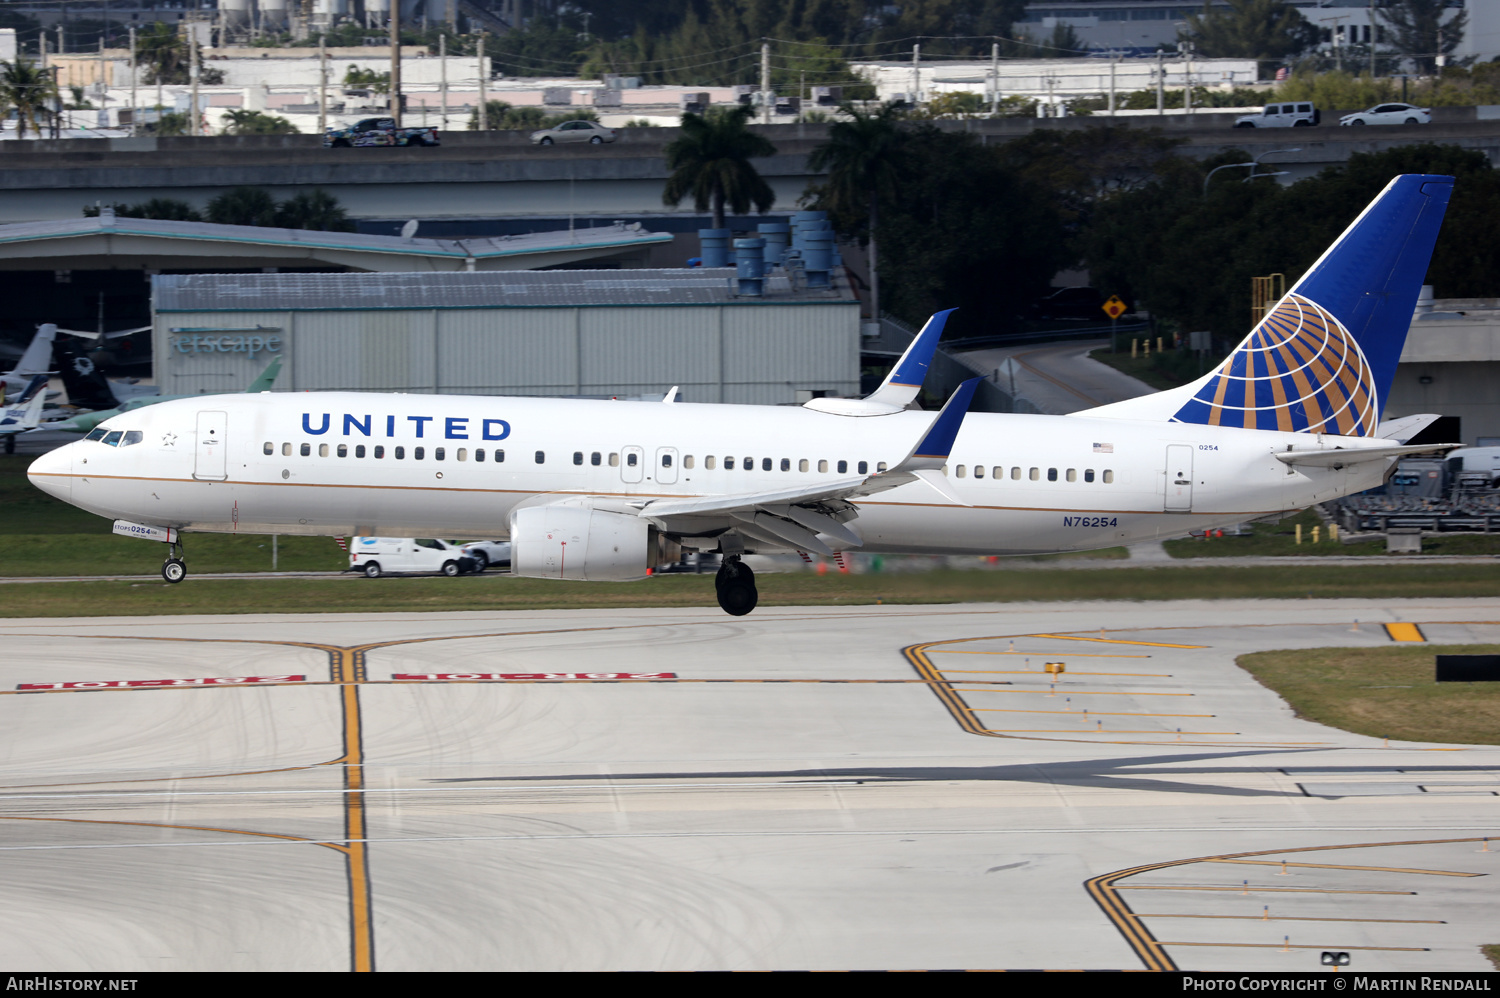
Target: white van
[(377, 556), (1299, 114)]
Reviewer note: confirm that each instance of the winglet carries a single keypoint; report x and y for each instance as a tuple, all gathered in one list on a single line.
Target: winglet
[(938, 442), (905, 379)]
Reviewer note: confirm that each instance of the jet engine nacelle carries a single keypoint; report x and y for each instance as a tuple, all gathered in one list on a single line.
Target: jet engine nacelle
[(575, 541)]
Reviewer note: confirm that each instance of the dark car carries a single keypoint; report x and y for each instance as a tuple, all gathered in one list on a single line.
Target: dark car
[(1069, 304)]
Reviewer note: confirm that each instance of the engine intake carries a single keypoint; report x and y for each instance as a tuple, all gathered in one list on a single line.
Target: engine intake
[(575, 541)]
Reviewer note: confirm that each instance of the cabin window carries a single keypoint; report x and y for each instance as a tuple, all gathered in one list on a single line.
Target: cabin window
[(802, 465), (786, 464), (322, 450), (1051, 474), (359, 450), (729, 464), (479, 453), (978, 471), (439, 453), (749, 464), (880, 467), (1072, 474), (1088, 474), (863, 467), (541, 457), (687, 461), (631, 460), (765, 464), (578, 458), (614, 460), (843, 467), (1015, 474), (343, 450), (463, 454), (306, 448), (961, 472), (666, 460), (822, 467), (1109, 476), (1035, 474), (709, 462), (595, 458), (286, 450), (270, 448), (379, 451), (499, 455), (417, 453), (400, 454)]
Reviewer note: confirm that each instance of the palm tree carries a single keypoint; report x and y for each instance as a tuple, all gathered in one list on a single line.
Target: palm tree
[(247, 122), (862, 158), (30, 90), (164, 51), (242, 206), (711, 161)]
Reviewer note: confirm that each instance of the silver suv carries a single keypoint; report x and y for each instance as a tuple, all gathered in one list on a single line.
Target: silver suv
[(1298, 114)]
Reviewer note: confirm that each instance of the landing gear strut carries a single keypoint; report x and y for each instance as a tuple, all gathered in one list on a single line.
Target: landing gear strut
[(736, 587), (174, 569)]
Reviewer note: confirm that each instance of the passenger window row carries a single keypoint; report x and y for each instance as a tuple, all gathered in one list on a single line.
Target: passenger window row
[(1033, 474), (378, 451)]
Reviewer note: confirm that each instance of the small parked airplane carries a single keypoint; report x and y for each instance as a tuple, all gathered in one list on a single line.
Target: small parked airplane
[(601, 490), (25, 413)]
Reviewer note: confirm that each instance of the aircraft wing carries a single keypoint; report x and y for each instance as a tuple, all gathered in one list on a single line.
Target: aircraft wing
[(794, 517)]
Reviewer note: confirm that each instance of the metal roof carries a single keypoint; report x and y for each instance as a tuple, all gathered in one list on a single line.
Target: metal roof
[(480, 289)]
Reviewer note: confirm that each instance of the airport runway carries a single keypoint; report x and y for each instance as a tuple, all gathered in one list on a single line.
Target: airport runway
[(882, 787)]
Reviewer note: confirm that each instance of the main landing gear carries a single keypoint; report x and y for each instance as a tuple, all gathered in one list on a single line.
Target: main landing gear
[(174, 569), (736, 587)]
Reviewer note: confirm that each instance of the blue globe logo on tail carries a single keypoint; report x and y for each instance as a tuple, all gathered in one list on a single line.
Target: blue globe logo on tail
[(1300, 370)]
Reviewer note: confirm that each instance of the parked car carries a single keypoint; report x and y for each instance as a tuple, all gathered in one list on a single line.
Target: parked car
[(574, 131), (1069, 303), (1390, 114), (1295, 115), (377, 556), (487, 553), (379, 132)]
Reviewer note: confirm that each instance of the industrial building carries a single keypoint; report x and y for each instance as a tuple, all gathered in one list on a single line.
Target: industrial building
[(1451, 365), (559, 333)]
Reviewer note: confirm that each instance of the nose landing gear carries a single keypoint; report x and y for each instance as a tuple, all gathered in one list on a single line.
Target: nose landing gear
[(174, 569), (735, 584)]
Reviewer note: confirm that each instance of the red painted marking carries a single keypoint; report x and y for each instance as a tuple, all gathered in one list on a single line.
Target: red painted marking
[(534, 675), (125, 683)]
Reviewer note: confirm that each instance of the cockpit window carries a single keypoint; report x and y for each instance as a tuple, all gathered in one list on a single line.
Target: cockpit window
[(132, 437), (96, 434), (113, 439)]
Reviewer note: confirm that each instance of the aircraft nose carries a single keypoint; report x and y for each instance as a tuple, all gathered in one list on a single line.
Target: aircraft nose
[(53, 472)]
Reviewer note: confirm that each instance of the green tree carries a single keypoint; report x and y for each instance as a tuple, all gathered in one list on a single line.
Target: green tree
[(1421, 29), (30, 91), (245, 122), (167, 209), (1250, 29), (315, 209), (494, 116), (169, 123), (862, 158), (710, 161), (242, 206), (163, 51), (368, 79)]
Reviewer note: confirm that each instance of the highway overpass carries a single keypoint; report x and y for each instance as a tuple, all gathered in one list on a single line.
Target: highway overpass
[(493, 174)]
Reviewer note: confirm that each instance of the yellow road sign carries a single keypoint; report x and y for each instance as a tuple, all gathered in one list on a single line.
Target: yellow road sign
[(1114, 308)]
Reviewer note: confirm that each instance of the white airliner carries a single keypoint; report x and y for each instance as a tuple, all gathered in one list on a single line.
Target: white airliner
[(597, 490)]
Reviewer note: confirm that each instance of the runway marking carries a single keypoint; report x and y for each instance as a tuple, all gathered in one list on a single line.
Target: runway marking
[(1036, 654), (1086, 693), (1105, 890), (1116, 731), (1244, 889), (1404, 632), (1119, 641), (1040, 673), (1298, 918), (1389, 949), (1332, 866), (1075, 713)]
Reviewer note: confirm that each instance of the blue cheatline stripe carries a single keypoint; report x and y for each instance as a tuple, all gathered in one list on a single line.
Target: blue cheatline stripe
[(939, 440)]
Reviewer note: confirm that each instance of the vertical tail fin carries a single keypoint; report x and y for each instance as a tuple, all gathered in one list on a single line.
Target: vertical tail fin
[(1323, 358)]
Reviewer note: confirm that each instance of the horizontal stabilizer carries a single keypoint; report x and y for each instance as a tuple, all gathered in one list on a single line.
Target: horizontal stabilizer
[(1343, 457), (1403, 429)]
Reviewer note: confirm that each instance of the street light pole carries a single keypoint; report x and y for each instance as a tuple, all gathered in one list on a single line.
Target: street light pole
[(1253, 165)]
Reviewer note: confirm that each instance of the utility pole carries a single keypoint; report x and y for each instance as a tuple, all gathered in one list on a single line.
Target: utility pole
[(1372, 39), (1161, 82), (1187, 82), (193, 77), (135, 108), (916, 73), (767, 101), (995, 79), (396, 61), (443, 68), (484, 98), (322, 84), (1112, 63)]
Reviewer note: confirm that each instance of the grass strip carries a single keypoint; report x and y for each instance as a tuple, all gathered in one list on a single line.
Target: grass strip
[(344, 594), (1383, 692), (1493, 952)]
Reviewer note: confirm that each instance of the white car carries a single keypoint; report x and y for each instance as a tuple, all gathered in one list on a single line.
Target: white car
[(488, 553), (574, 131), (1390, 114), (377, 556), (1295, 115)]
